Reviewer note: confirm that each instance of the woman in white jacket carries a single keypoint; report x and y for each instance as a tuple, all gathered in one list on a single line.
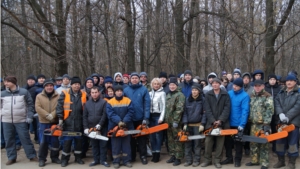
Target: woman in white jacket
[(157, 114)]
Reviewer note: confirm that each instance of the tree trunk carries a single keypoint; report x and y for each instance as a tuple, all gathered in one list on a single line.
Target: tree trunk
[(142, 55), (179, 39), (130, 36)]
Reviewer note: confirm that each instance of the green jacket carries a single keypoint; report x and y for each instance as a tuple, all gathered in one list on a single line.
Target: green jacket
[(261, 108), (174, 106)]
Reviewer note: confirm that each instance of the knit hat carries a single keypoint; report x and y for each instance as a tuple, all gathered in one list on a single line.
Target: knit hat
[(163, 74), (118, 73), (195, 80), (238, 82), (143, 74), (126, 75), (75, 79), (134, 74), (237, 70), (48, 81), (223, 73), (89, 78), (31, 77), (181, 76), (173, 80), (41, 76), (291, 77), (212, 76), (118, 87), (246, 74), (258, 82), (197, 86), (11, 79), (188, 72), (66, 76), (59, 78), (171, 75), (272, 76), (216, 80), (293, 72), (108, 79)]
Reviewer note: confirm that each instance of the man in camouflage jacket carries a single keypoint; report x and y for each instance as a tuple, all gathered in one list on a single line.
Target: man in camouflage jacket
[(261, 112)]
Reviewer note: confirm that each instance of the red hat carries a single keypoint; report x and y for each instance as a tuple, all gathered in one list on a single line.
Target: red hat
[(126, 75)]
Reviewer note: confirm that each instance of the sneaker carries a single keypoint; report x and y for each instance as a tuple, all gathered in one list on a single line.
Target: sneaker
[(196, 164), (42, 163), (128, 164), (93, 164), (218, 165), (10, 162), (34, 159), (105, 164), (187, 163)]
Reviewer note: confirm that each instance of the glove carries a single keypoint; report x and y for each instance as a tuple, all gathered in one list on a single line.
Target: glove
[(283, 118), (98, 127), (86, 131), (49, 117), (201, 128), (218, 123), (36, 115), (239, 135), (60, 122), (184, 127), (145, 122), (240, 128), (121, 124), (267, 129), (175, 125), (29, 120)]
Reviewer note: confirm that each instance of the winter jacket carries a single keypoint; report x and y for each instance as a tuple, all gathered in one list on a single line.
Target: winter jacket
[(249, 89), (209, 87), (240, 105), (186, 88), (194, 110), (74, 121), (94, 113), (174, 107), (62, 87), (262, 108), (39, 88), (158, 102), (147, 86), (217, 109), (120, 110), (31, 90), (16, 106), (289, 104), (119, 83), (96, 75), (166, 87), (139, 96), (257, 72), (45, 106), (273, 90)]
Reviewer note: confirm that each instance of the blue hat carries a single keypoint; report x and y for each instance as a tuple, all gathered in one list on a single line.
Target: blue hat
[(291, 77), (238, 82), (66, 76), (108, 79), (134, 74), (143, 74)]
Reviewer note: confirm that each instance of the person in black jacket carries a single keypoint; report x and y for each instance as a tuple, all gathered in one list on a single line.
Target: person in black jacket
[(194, 121), (94, 115), (163, 77)]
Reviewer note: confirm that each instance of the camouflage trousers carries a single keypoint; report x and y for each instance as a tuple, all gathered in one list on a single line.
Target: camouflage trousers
[(176, 148), (259, 152)]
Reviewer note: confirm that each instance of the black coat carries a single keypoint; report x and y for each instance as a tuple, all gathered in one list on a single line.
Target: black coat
[(194, 110), (32, 91), (74, 121), (94, 113), (217, 109), (166, 87), (273, 90)]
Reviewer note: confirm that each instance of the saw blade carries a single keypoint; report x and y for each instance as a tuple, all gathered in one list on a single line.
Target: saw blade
[(132, 132), (196, 137)]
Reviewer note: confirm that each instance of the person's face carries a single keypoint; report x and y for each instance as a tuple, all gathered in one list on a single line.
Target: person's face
[(195, 92), (30, 82), (272, 81), (95, 79), (49, 88), (125, 80), (156, 85), (290, 84), (225, 83), (172, 87), (203, 84), (181, 80), (110, 92), (257, 76), (9, 84), (119, 93), (75, 87), (187, 77), (236, 75), (216, 85), (41, 80), (143, 78), (163, 79), (134, 80), (246, 80), (95, 93), (210, 80), (66, 81), (108, 84), (89, 84), (229, 76), (58, 82), (236, 88), (118, 78), (258, 88), (101, 80)]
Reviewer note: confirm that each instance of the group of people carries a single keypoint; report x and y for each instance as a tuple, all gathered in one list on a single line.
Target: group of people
[(127, 101)]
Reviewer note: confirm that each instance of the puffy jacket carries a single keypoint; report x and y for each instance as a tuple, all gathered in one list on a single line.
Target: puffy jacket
[(217, 109), (194, 110), (262, 108), (39, 88), (74, 120), (119, 83), (209, 87), (31, 90), (158, 102), (139, 96), (94, 113), (62, 87), (16, 106), (120, 110), (289, 104), (186, 88), (240, 105), (273, 90), (45, 106), (174, 107)]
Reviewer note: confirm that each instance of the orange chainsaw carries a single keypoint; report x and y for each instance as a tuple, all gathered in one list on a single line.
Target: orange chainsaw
[(121, 132), (285, 127), (272, 137), (145, 130), (184, 136), (57, 131), (218, 131)]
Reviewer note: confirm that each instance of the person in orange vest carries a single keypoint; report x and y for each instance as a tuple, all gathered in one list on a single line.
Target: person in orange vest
[(69, 112)]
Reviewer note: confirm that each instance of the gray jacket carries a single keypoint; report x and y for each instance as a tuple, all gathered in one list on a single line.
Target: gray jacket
[(16, 106), (62, 87), (209, 87), (158, 102)]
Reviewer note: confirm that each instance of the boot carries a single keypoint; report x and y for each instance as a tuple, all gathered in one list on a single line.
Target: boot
[(280, 163), (171, 160), (79, 160), (153, 156), (157, 157), (64, 160), (177, 162), (292, 161)]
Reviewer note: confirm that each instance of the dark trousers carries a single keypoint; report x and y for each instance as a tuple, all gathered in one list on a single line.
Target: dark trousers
[(139, 142), (121, 149), (291, 141), (45, 141), (247, 132), (18, 142), (229, 144), (67, 147), (99, 148)]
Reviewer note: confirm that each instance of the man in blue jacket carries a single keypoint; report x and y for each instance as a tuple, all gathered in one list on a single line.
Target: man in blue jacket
[(140, 98), (186, 85), (238, 118)]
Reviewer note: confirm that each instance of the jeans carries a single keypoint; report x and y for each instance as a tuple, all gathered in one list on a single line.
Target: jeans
[(18, 142), (155, 138), (9, 130)]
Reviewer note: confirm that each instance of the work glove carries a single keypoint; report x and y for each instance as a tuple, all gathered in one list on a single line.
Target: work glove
[(239, 135), (49, 117), (218, 123), (36, 115), (283, 118), (60, 123), (121, 124), (201, 128), (240, 128), (145, 122), (175, 125), (29, 120), (267, 129), (98, 127), (184, 127), (86, 131)]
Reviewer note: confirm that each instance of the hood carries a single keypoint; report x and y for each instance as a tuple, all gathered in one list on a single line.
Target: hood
[(118, 73), (89, 78), (212, 73), (95, 75), (248, 74), (258, 71)]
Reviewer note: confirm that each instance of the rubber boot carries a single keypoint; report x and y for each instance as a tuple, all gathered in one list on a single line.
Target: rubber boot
[(292, 162)]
